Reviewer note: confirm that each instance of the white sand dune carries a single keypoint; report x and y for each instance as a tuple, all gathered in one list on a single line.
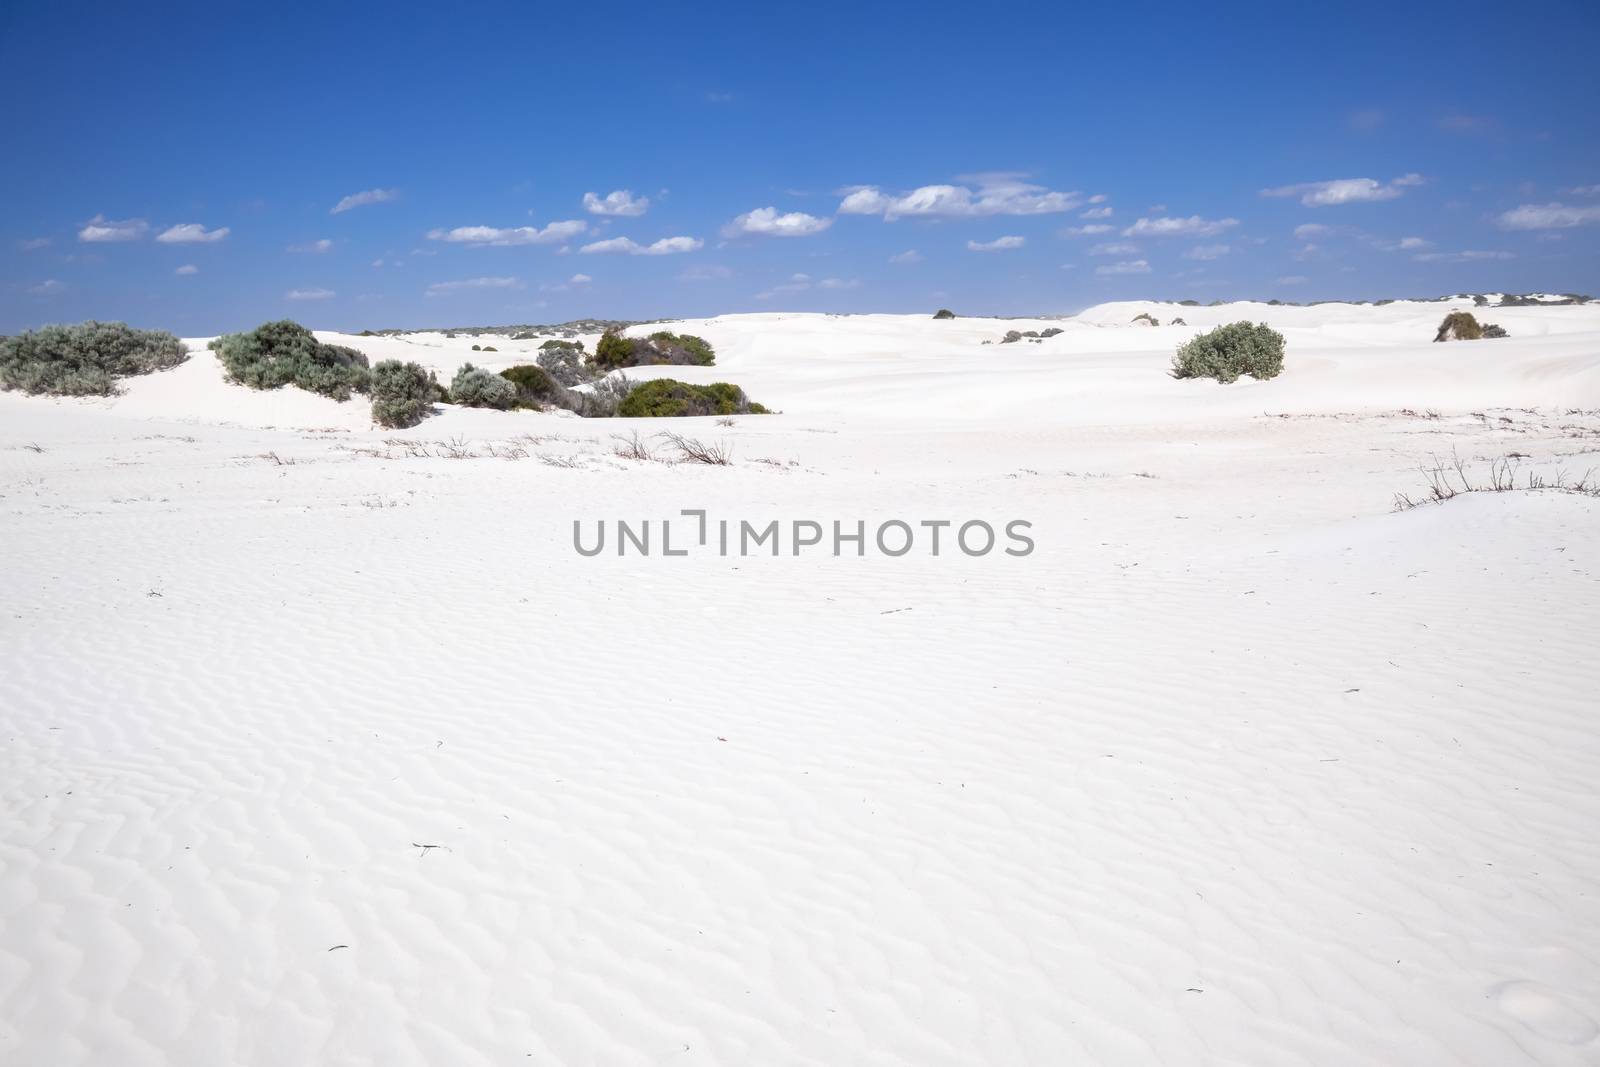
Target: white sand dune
[(317, 752)]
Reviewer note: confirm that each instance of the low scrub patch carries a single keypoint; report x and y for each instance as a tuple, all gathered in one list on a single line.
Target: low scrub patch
[(1230, 351), (564, 362), (669, 398), (535, 388), (1459, 326), (614, 351), (401, 393), (475, 387), (282, 353), (85, 359)]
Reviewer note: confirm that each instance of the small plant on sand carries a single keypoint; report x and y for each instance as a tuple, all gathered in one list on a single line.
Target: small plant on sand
[(701, 354), (613, 350), (1230, 351), (1146, 317), (401, 393), (474, 387), (1446, 481), (1459, 326), (604, 397), (534, 387), (944, 313), (563, 361), (1491, 330), (85, 359), (668, 398), (282, 353)]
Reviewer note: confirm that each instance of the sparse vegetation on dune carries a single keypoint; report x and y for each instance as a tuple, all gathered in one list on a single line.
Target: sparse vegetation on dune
[(666, 397), (475, 387), (85, 359), (1459, 326), (1231, 351), (1448, 480), (282, 353), (614, 351), (401, 393)]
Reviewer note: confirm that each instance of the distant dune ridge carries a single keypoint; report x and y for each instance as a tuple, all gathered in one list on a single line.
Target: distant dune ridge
[(322, 744)]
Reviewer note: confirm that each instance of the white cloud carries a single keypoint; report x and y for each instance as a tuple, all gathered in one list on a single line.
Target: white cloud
[(1344, 190), (1097, 213), (989, 194), (1091, 230), (1461, 257), (318, 246), (579, 279), (1548, 217), (1207, 252), (309, 294), (1193, 226), (1578, 190), (1098, 198), (1135, 266), (187, 269), (1292, 279), (999, 244), (1114, 248), (191, 233), (34, 243), (101, 228), (667, 246), (910, 255), (618, 202), (443, 288), (554, 233), (1311, 230), (767, 222), (1411, 244), (49, 287), (370, 196)]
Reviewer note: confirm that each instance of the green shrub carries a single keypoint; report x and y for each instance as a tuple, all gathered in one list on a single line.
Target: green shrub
[(1230, 351), (282, 353), (474, 387), (534, 387), (85, 359), (668, 398), (701, 354), (1459, 326), (576, 346), (612, 351), (401, 393), (944, 313), (1145, 316), (1491, 330)]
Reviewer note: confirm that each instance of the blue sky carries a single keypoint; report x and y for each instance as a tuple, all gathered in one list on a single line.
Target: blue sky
[(356, 166)]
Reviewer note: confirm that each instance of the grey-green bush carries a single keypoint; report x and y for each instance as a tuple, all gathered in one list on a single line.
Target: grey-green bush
[(474, 387), (605, 396), (85, 359), (401, 393), (276, 354), (564, 363), (1230, 351)]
